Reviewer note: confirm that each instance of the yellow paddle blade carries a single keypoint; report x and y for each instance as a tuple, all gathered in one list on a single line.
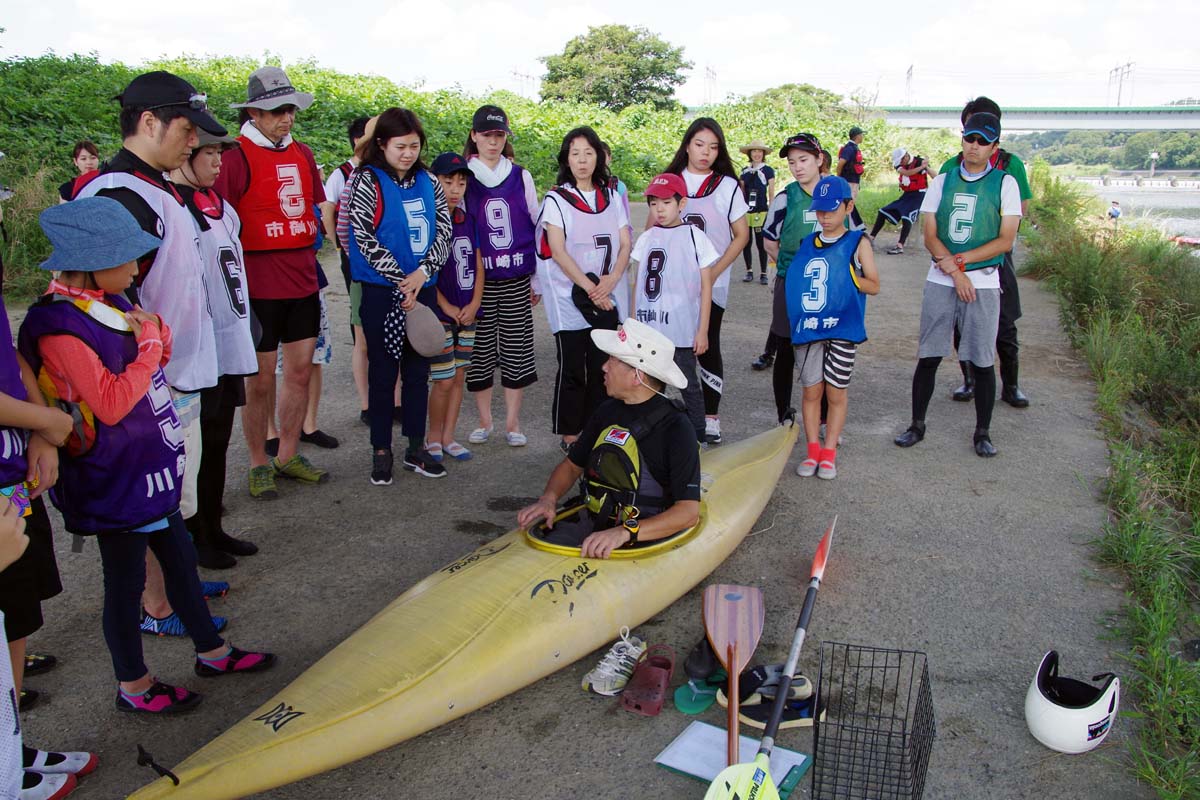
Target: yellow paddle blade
[(744, 782)]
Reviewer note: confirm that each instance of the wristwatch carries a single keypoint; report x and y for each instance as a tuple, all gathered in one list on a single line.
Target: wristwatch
[(960, 262), (632, 527)]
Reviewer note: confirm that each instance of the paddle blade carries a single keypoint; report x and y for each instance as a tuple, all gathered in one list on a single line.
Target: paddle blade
[(818, 570), (733, 615), (750, 781)]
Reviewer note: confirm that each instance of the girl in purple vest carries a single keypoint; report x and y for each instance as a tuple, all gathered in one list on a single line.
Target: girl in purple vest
[(583, 252), (716, 206), (503, 200), (100, 359)]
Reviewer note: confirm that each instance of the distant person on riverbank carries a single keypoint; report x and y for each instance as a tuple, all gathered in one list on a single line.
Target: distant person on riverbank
[(971, 215), (850, 167), (1114, 212), (1010, 297), (914, 175), (758, 187), (86, 158)]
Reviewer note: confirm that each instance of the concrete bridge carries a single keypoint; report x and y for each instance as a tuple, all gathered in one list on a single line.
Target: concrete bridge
[(1125, 118)]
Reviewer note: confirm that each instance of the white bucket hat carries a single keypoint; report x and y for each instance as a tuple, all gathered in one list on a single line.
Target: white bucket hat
[(897, 156), (642, 347)]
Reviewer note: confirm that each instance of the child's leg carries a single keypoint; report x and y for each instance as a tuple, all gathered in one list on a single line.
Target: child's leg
[(837, 367), (442, 372), (453, 404), (712, 369), (358, 366), (693, 398), (123, 559), (175, 553), (811, 412), (836, 420)]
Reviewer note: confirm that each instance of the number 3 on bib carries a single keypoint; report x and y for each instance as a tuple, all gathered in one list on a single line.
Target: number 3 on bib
[(817, 271)]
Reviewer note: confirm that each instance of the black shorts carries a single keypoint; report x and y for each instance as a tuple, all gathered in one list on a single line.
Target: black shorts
[(30, 579), (284, 321)]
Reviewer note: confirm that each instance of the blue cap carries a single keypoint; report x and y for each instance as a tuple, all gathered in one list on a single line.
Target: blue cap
[(985, 124), (93, 233), (829, 192), (448, 164)]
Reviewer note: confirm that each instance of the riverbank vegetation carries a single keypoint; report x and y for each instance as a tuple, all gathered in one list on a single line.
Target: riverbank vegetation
[(49, 102), (1099, 151), (1130, 300)]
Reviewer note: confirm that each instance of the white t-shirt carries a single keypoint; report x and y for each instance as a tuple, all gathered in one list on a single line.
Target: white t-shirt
[(667, 284), (720, 209), (1010, 206), (335, 183)]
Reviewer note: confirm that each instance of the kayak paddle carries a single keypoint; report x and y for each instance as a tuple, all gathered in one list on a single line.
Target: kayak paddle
[(752, 781), (733, 621)]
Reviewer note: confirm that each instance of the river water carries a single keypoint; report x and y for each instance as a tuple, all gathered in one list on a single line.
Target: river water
[(1176, 211)]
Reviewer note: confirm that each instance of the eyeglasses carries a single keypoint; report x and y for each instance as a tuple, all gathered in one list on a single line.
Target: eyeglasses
[(974, 138), (197, 102)]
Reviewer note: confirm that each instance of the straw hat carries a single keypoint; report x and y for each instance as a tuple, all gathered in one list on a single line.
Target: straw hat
[(757, 144)]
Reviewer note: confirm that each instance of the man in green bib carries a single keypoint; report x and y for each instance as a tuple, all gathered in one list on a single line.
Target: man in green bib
[(637, 455), (970, 218)]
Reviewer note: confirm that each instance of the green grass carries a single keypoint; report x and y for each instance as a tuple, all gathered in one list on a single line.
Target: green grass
[(1131, 302)]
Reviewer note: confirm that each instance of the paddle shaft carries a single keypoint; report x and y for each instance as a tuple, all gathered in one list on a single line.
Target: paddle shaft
[(732, 749), (789, 668)]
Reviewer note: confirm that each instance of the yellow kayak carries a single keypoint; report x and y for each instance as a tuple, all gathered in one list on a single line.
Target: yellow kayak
[(517, 604)]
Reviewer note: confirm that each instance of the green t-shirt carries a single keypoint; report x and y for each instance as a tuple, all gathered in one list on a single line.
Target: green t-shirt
[(1016, 168), (969, 214)]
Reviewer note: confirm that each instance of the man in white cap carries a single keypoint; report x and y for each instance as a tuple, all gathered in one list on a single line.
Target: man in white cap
[(637, 455), (273, 183)]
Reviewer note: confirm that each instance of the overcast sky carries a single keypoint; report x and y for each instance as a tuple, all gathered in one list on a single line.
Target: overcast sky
[(1030, 52)]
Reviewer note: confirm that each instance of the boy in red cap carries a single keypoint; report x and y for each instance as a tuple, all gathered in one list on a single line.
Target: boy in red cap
[(673, 285)]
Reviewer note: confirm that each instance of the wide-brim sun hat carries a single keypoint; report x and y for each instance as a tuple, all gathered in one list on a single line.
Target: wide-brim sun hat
[(757, 144), (93, 233), (269, 88), (227, 142), (642, 347), (424, 331)]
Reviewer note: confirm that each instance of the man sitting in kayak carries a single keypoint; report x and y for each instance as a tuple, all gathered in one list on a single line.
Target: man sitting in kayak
[(637, 454)]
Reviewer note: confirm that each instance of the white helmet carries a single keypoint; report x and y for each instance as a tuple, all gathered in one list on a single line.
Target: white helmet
[(1069, 715)]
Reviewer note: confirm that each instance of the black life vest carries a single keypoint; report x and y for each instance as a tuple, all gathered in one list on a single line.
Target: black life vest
[(615, 484)]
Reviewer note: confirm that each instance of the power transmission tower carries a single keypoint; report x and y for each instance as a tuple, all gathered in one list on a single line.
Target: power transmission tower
[(710, 85), (524, 79), (1119, 74), (908, 86)]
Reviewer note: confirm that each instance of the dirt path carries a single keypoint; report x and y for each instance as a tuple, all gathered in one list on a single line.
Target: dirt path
[(983, 565)]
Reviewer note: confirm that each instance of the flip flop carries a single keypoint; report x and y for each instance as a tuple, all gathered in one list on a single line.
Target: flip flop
[(647, 687), (698, 694), (759, 685), (796, 714)]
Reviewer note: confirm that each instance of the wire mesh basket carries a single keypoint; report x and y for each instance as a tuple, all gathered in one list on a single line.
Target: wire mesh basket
[(874, 739)]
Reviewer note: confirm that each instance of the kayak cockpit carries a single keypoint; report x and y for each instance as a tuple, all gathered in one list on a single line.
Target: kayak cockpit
[(534, 537)]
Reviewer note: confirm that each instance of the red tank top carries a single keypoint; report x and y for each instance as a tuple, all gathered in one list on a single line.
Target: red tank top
[(277, 208)]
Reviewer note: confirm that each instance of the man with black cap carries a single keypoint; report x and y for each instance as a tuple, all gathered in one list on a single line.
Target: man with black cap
[(850, 167), (1007, 348), (273, 182), (971, 216), (160, 117)]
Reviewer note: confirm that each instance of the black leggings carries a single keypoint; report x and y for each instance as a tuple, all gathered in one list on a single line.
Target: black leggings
[(881, 220), (712, 369), (781, 375), (756, 238), (922, 390)]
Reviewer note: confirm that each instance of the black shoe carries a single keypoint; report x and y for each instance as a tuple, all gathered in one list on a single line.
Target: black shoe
[(914, 434), (29, 699), (225, 543), (983, 444), (39, 663), (364, 419), (320, 438), (272, 447), (422, 463), (212, 558), (964, 393), (749, 277), (763, 280), (702, 661), (762, 362), (1014, 397), (381, 469)]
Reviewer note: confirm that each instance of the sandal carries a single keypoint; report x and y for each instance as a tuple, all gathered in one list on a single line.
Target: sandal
[(160, 698), (435, 450), (698, 694), (458, 452), (647, 687)]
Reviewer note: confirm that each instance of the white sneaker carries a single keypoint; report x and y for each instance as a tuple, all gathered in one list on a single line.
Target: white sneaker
[(612, 673), (712, 430)]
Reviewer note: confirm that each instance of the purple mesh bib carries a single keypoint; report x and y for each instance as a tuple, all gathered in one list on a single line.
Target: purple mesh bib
[(13, 466), (456, 279), (505, 228)]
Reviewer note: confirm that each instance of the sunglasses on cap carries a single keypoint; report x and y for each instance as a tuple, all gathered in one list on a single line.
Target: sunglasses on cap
[(975, 138), (804, 140), (197, 102)]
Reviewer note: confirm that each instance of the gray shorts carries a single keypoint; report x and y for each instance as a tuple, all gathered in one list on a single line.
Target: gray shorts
[(978, 322), (830, 361)]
